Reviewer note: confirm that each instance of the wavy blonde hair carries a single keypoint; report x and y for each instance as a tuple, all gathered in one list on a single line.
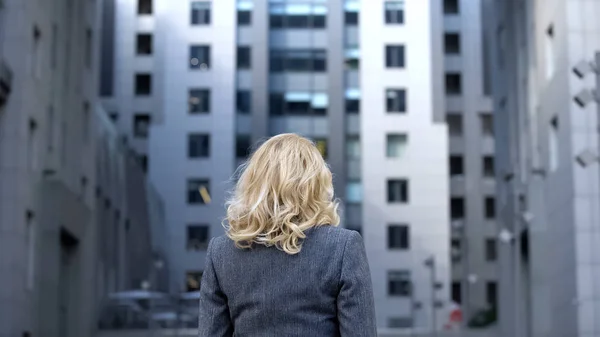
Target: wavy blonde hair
[(285, 188)]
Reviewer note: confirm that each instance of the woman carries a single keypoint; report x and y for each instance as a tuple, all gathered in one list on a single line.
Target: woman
[(284, 268)]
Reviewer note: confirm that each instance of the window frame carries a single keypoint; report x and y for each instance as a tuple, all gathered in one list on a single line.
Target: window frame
[(402, 139), (137, 85), (193, 197), (244, 63), (403, 192), (204, 104), (463, 208), (453, 160), (398, 103), (197, 276), (200, 16), (402, 276), (140, 118), (198, 145), (395, 56), (398, 237), (240, 97), (393, 16), (201, 245), (204, 54)]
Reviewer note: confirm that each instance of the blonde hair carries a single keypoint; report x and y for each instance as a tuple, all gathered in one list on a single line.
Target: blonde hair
[(285, 188)]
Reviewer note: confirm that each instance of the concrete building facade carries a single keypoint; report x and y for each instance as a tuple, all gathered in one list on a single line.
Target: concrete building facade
[(548, 195)]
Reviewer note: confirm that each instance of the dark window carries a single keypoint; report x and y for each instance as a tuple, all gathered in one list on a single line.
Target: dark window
[(491, 252), (144, 44), (298, 60), (297, 21), (397, 190), (490, 208), (244, 57), (242, 146), (454, 122), (398, 237), (395, 100), (455, 250), (141, 125), (144, 163), (352, 63), (351, 18), (352, 105), (198, 145), (488, 167), (244, 17), (487, 124), (456, 166), (144, 7), (198, 191), (491, 293), (199, 57), (394, 56), (457, 208), (193, 280), (276, 102), (298, 104), (394, 12), (200, 13), (453, 84), (456, 292), (243, 101), (400, 322), (452, 43), (143, 84), (199, 101), (197, 237), (314, 18), (399, 283), (89, 43), (451, 7)]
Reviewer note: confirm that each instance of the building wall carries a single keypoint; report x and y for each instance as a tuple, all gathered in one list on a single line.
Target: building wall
[(424, 162)]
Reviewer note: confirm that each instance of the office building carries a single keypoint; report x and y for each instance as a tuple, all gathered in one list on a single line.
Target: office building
[(547, 172), (214, 78)]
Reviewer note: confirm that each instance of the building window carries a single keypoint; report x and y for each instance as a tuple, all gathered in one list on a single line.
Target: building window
[(298, 60), (398, 237), (394, 12), (491, 293), (197, 237), (549, 51), (490, 207), (487, 124), (456, 292), (297, 16), (451, 7), (30, 242), (491, 250), (200, 14), (144, 44), (457, 208), (244, 16), (452, 43), (397, 190), (89, 45), (199, 57), (198, 145), (399, 283), (199, 101), (455, 127), (394, 56), (143, 84), (353, 147), (193, 280), (453, 84), (144, 7), (396, 145), (141, 125), (455, 250), (242, 146), (400, 322), (395, 100), (352, 105), (354, 192), (144, 163), (298, 104), (488, 167), (243, 101), (114, 117), (244, 57), (352, 58), (198, 191), (456, 166), (321, 145), (553, 144)]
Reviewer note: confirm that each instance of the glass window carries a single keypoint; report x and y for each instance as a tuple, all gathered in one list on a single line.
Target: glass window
[(199, 57), (453, 84), (193, 279), (491, 293), (143, 84), (244, 18), (298, 103), (199, 101), (396, 145), (297, 15), (487, 124), (242, 146), (456, 294), (394, 12), (351, 18), (451, 7), (144, 7), (454, 122), (491, 250), (457, 208), (398, 237), (452, 43), (353, 147), (243, 101), (298, 60), (354, 192), (488, 167), (490, 207), (456, 166), (198, 191), (395, 100), (197, 237), (397, 191), (399, 283), (394, 56), (144, 44), (455, 250), (352, 101), (141, 125), (200, 13), (198, 145), (244, 57)]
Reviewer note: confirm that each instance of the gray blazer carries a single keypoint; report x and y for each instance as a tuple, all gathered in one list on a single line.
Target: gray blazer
[(323, 291)]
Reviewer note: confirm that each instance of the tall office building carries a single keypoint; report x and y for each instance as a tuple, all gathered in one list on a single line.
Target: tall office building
[(214, 78), (471, 161), (547, 184)]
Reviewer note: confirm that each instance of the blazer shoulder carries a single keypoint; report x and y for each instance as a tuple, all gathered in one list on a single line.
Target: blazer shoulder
[(338, 234)]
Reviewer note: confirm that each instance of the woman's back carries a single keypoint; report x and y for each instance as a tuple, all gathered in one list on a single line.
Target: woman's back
[(325, 290)]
